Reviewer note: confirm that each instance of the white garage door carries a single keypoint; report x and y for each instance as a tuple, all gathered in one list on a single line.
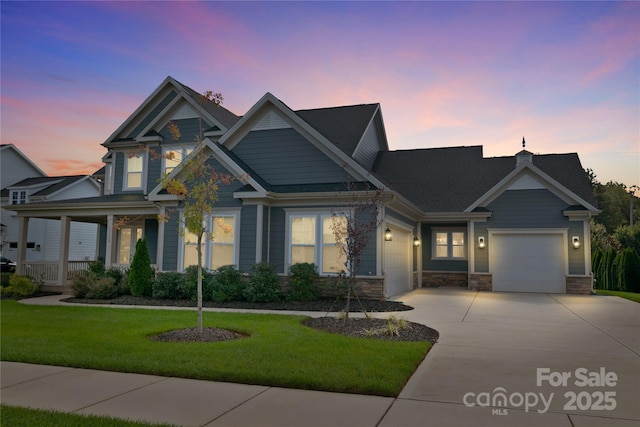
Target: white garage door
[(397, 263), (528, 263)]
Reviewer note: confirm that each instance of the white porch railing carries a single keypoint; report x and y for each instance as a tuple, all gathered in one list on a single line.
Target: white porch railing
[(47, 271)]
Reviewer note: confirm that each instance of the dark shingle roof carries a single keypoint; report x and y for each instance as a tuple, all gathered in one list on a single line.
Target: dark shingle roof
[(56, 183), (451, 179), (343, 126), (224, 116)]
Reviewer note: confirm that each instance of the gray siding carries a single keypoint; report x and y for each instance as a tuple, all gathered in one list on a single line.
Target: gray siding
[(118, 173), (151, 234), (152, 114), (171, 240), (247, 238), (102, 242), (576, 256), (225, 192), (277, 243), (154, 168), (283, 156), (190, 129), (369, 146)]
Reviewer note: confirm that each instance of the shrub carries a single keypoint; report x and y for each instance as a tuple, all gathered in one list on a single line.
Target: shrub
[(628, 270), (227, 285), (4, 278), (102, 288), (302, 282), (169, 286), (96, 267), (141, 273), (20, 286), (190, 285), (264, 285)]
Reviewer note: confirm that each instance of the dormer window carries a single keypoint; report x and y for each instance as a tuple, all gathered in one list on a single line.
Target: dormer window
[(133, 171), (18, 197)]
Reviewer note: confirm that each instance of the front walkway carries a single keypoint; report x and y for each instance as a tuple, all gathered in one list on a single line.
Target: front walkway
[(491, 345)]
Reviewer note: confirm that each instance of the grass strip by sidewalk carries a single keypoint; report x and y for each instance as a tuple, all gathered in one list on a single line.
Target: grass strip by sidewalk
[(278, 352), (26, 417), (631, 296)]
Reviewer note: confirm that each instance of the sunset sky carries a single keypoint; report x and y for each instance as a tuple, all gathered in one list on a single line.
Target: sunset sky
[(565, 75)]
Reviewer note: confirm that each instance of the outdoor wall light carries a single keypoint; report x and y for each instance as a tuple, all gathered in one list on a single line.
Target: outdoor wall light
[(387, 235), (481, 243), (416, 241), (575, 240)]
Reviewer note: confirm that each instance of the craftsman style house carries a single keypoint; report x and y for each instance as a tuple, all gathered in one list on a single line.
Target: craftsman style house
[(450, 217)]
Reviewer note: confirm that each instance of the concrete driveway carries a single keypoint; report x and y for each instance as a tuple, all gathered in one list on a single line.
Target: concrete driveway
[(552, 357)]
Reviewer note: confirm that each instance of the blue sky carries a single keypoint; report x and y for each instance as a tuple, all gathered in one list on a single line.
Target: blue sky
[(565, 75)]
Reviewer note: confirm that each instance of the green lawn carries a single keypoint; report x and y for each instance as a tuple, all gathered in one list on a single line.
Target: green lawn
[(627, 295), (26, 417), (278, 352)]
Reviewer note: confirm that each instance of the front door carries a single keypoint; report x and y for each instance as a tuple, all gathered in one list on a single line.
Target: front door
[(127, 238)]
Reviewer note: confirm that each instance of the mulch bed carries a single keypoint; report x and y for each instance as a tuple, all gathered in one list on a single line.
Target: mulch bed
[(353, 327)]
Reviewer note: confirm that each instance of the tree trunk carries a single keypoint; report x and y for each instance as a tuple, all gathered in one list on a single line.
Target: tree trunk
[(199, 283)]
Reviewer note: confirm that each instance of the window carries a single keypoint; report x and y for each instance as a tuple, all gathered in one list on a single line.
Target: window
[(218, 248), (312, 240), (171, 157), (107, 178), (133, 171), (223, 242), (449, 243), (18, 197)]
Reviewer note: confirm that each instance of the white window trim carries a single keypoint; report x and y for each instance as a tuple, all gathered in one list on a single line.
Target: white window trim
[(208, 243), (319, 215), (17, 197), (449, 231), (143, 172)]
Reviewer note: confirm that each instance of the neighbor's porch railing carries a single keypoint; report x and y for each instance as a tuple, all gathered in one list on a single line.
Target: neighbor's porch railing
[(47, 271)]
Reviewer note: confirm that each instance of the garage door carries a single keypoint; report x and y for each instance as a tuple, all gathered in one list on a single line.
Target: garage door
[(528, 263), (397, 265)]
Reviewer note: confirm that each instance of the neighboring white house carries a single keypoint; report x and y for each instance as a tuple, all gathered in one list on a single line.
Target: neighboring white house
[(22, 181)]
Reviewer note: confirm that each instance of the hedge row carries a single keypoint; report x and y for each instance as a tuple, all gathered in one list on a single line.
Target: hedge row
[(616, 271)]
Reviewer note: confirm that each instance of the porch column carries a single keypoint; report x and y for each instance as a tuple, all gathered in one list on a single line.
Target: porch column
[(160, 248), (108, 256), (63, 253), (23, 228), (259, 228)]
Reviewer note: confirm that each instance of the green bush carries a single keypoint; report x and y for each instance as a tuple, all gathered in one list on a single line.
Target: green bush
[(4, 278), (264, 285), (190, 284), (628, 271), (20, 286), (97, 268), (93, 286), (169, 286), (141, 273), (227, 285), (303, 279)]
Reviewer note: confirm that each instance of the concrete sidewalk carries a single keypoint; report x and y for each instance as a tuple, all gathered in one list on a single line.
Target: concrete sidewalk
[(491, 344)]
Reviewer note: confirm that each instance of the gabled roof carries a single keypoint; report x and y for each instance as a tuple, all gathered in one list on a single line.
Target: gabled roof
[(454, 179), (47, 185), (207, 108), (21, 154), (343, 126)]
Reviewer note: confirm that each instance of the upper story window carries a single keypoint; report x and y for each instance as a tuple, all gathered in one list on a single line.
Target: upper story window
[(133, 171), (449, 243), (312, 240), (171, 157), (18, 197), (108, 178)]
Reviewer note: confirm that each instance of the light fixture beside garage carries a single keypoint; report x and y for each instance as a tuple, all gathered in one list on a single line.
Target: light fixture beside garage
[(575, 240), (387, 235), (416, 241), (481, 243)]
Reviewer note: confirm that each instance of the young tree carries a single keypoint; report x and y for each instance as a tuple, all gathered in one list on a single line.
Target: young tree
[(197, 184), (353, 224), (141, 273)]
